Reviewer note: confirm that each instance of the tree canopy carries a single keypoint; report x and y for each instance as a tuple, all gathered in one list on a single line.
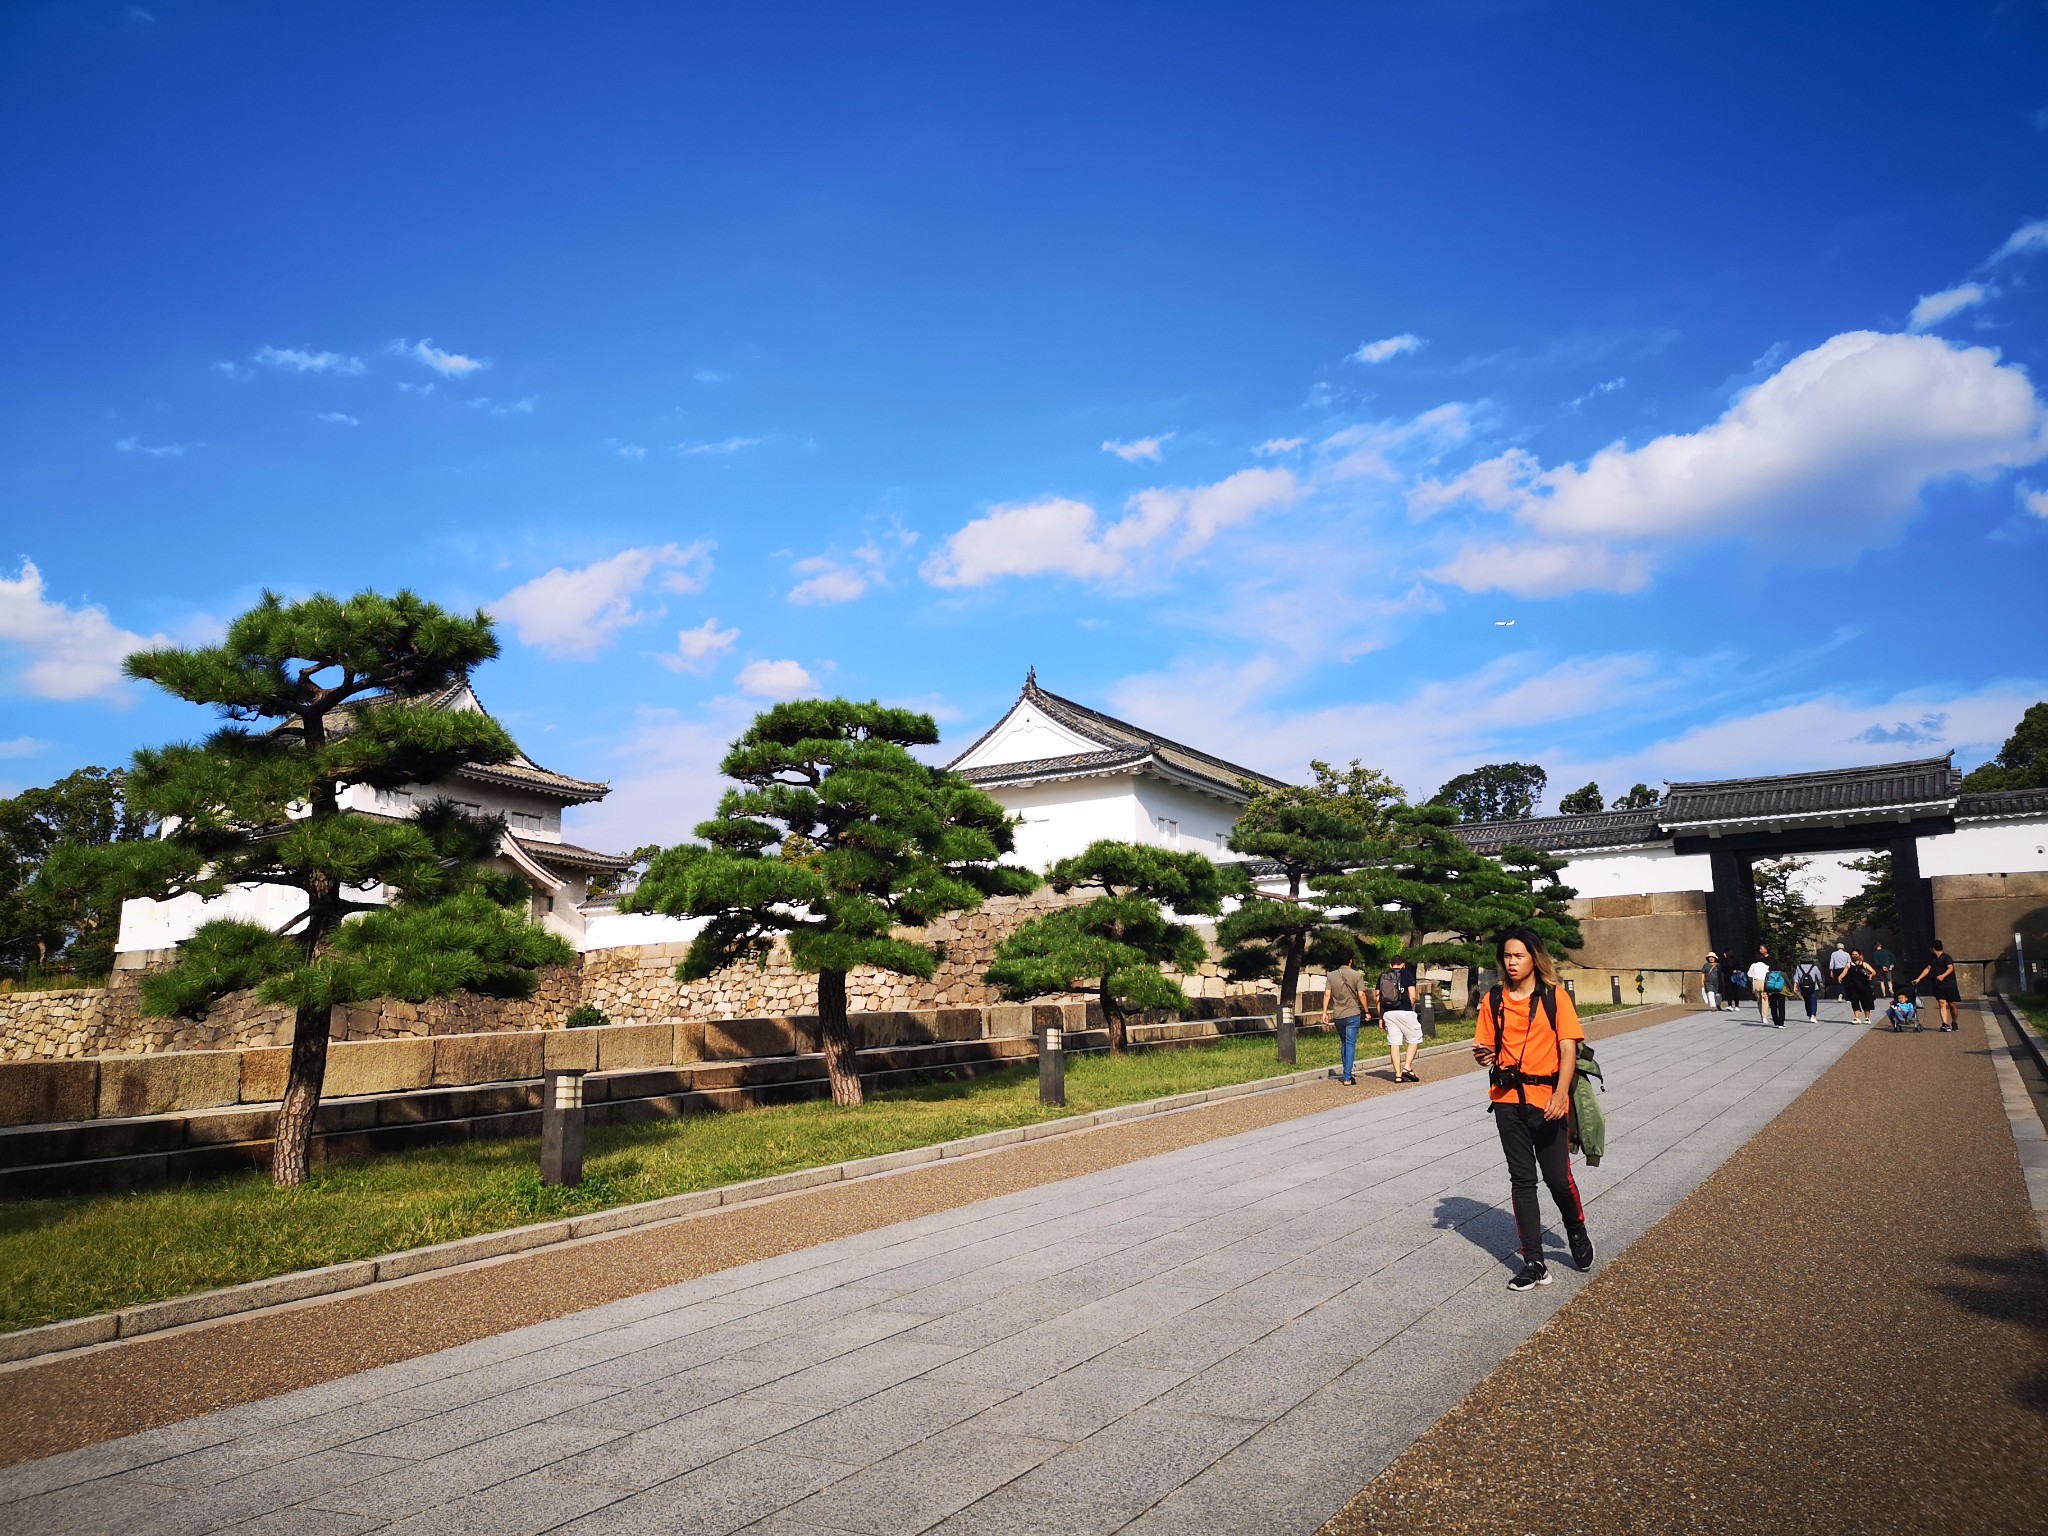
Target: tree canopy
[(1426, 880), (1640, 797), (1785, 919), (1584, 801), (343, 688), (2022, 763), (54, 908), (1494, 792), (1116, 943), (837, 841), (1876, 905)]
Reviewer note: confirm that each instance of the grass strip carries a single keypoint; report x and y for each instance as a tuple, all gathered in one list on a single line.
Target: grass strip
[(70, 1256)]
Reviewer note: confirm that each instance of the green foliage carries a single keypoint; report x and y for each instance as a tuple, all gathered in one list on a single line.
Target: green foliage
[(1310, 832), (1584, 801), (1494, 792), (837, 838), (2022, 763), (586, 1016), (1115, 943), (54, 908), (1784, 917), (1425, 881), (1876, 905), (1639, 798), (617, 882), (1549, 914)]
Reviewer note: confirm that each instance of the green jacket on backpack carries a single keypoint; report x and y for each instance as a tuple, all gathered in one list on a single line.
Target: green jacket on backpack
[(1588, 1123)]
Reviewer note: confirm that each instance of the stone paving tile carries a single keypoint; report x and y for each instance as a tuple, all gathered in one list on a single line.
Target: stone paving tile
[(524, 1506), (640, 1460), (858, 1374), (303, 1520), (892, 1420), (920, 1486), (1075, 1404), (420, 1485), (728, 1495), (1139, 1458), (672, 1396)]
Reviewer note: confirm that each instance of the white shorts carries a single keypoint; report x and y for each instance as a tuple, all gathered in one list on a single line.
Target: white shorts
[(1403, 1024)]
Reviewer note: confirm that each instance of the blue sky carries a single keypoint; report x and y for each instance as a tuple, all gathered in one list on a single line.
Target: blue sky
[(1240, 367)]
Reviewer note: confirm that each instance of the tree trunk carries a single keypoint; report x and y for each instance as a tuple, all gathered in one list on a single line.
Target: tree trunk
[(835, 1039), (291, 1150), (1113, 1017), (1290, 979)]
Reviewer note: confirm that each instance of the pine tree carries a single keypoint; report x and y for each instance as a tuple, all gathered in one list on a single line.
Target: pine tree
[(1309, 832), (838, 839), (1640, 797), (1545, 897), (1115, 944), (1876, 905), (2022, 763), (1585, 801), (340, 687)]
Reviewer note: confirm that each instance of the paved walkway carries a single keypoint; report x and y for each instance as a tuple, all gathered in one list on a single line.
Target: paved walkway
[(1233, 1337)]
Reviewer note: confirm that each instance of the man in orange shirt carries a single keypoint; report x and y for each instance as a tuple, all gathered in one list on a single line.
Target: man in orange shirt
[(1528, 1040)]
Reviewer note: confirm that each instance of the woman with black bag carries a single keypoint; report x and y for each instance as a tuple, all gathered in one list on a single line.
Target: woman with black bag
[(1528, 1040)]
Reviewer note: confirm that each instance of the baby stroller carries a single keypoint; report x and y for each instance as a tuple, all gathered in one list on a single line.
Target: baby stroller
[(1901, 1017)]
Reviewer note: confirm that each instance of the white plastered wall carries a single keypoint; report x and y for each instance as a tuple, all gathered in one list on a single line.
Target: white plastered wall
[(1025, 734), (1059, 820), (1987, 848), (1637, 872)]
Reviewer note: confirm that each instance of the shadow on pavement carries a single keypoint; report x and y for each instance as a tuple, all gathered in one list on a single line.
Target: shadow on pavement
[(1483, 1226), (2014, 1290)]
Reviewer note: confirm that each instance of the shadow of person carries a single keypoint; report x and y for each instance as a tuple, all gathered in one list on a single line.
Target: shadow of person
[(2014, 1290), (1490, 1227)]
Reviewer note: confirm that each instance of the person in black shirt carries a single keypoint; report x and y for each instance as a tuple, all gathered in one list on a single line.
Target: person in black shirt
[(1939, 977)]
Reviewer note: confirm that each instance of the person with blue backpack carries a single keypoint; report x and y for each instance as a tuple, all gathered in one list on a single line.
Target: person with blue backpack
[(1768, 984)]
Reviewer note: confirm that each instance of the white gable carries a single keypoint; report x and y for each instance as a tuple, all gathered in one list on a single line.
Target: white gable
[(1027, 733)]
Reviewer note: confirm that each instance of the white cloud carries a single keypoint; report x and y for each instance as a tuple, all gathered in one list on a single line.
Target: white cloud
[(1596, 392), (723, 445), (306, 360), (628, 450), (235, 371), (502, 407), (1389, 346), (575, 614), (1146, 448), (64, 653), (1839, 443), (1058, 536), (710, 376), (416, 389), (1535, 568), (2035, 501), (156, 450), (1367, 450), (828, 582), (452, 365), (776, 680), (1934, 308), (1495, 484), (22, 746), (1273, 446), (338, 418), (697, 649), (2025, 239)]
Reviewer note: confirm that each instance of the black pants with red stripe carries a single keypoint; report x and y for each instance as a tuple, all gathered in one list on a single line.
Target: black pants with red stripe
[(1532, 1143)]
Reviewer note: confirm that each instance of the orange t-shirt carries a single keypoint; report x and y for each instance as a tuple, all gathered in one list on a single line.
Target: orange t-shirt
[(1534, 1050)]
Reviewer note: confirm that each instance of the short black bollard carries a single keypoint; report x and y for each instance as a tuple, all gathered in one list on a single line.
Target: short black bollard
[(1285, 1034), (1428, 1006), (1052, 1070), (561, 1128), (1617, 990)]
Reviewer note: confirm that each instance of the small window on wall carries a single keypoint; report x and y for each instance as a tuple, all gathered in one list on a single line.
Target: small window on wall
[(1223, 842), (394, 799), (1169, 830), (525, 821)]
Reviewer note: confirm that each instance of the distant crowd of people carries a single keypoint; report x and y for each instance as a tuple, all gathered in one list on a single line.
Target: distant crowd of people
[(1858, 979)]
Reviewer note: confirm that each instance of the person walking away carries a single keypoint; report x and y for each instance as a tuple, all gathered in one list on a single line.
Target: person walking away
[(1901, 1015), (1760, 973), (1939, 976), (1710, 981), (1838, 965), (1882, 962), (1345, 999), (1396, 996), (1807, 981), (1528, 1040), (1859, 986), (1732, 982)]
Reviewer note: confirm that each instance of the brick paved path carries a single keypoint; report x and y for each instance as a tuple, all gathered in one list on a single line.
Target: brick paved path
[(1232, 1337)]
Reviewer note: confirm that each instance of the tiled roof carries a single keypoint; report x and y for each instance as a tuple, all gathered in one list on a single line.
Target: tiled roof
[(1925, 784), (2000, 803), (1553, 834), (522, 772), (1123, 746), (544, 852)]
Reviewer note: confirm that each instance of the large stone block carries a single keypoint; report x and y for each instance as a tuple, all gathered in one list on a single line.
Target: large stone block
[(957, 1024), (632, 1047), (689, 1042), (43, 1092), (1009, 1020), (264, 1072), (569, 1050), (156, 1085), (740, 1039), (501, 1058), (380, 1066)]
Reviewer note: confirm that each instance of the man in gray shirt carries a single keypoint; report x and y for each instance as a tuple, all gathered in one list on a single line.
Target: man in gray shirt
[(1346, 1003)]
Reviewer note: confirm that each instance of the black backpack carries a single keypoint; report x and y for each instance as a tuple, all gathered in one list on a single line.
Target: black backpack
[(1393, 991)]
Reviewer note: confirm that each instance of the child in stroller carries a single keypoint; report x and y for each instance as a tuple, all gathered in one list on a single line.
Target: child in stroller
[(1902, 1015)]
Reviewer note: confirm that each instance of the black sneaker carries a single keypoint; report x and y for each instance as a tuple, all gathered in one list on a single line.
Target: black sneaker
[(1582, 1248), (1529, 1276)]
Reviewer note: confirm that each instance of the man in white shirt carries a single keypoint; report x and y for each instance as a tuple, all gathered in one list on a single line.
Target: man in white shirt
[(1838, 967), (1759, 972)]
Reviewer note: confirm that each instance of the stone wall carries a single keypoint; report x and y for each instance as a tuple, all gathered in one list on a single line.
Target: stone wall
[(1666, 930)]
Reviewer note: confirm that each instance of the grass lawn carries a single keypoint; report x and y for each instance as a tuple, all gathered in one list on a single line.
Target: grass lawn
[(75, 1255), (2034, 1005)]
